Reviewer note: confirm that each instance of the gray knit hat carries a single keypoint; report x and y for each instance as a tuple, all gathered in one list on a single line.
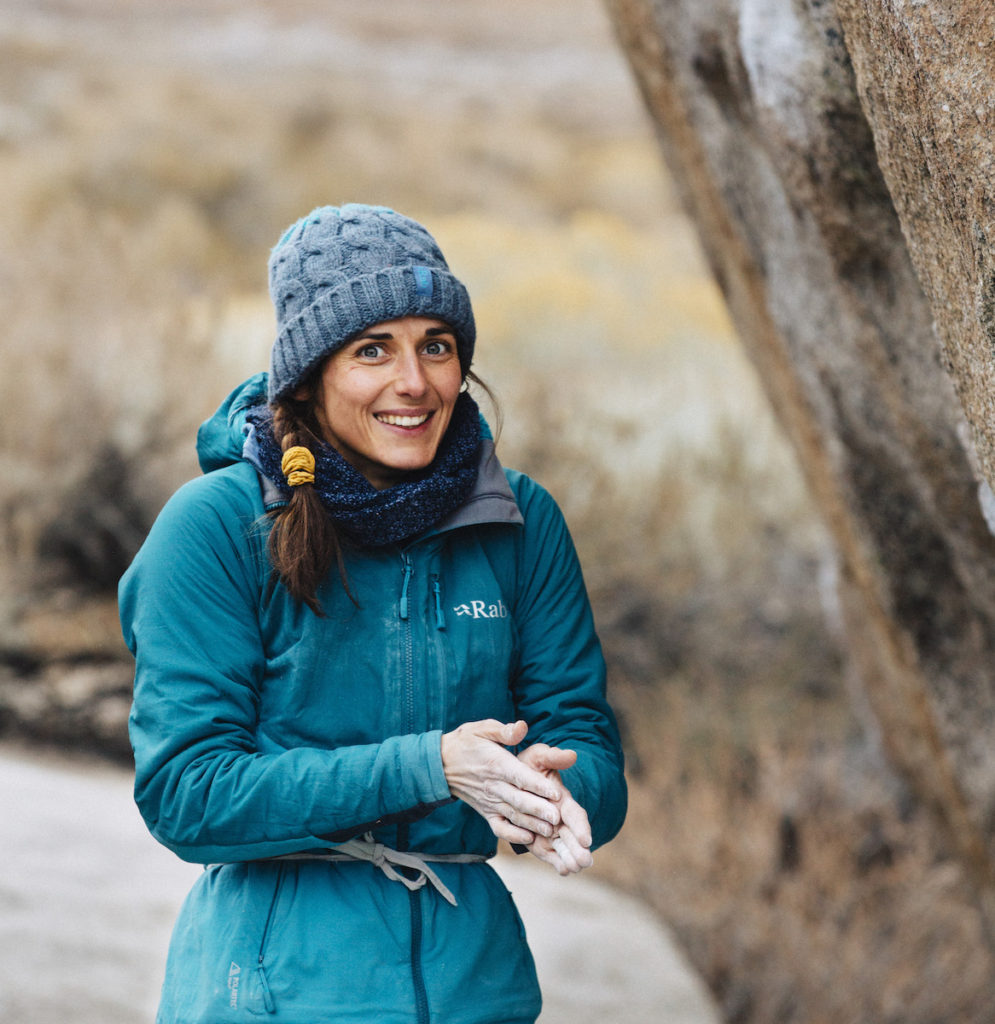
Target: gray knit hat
[(342, 269)]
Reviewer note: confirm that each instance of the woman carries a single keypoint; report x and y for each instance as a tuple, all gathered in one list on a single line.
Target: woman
[(364, 653)]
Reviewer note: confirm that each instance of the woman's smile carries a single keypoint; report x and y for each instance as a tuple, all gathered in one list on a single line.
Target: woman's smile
[(409, 421), (385, 399)]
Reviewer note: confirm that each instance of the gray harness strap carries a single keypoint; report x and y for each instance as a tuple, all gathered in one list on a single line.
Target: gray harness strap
[(385, 858)]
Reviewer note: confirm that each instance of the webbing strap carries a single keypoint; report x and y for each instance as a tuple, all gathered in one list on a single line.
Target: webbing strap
[(385, 858)]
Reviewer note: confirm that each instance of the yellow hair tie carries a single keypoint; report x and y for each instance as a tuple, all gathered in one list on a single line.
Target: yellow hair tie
[(298, 466)]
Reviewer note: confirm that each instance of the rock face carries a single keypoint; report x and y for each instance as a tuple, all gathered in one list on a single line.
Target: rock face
[(838, 159)]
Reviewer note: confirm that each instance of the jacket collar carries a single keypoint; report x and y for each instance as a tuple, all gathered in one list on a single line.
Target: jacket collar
[(490, 501)]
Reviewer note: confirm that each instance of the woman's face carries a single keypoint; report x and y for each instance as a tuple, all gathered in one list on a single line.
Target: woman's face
[(385, 399)]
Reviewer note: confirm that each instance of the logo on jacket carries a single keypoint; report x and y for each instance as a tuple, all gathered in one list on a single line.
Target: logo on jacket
[(234, 974), (482, 610)]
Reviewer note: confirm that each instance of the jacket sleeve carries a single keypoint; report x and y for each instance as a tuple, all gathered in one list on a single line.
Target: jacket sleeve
[(189, 609), (559, 687)]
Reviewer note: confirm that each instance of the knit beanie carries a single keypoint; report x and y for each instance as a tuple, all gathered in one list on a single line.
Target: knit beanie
[(342, 269)]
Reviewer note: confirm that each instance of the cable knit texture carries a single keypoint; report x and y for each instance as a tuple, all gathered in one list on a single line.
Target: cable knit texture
[(342, 269)]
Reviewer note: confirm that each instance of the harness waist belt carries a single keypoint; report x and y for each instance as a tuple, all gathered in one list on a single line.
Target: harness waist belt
[(385, 858)]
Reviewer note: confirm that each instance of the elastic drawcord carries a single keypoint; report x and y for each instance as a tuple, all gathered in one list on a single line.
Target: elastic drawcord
[(384, 858)]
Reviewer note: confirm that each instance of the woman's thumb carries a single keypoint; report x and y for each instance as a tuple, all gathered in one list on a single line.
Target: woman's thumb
[(513, 733)]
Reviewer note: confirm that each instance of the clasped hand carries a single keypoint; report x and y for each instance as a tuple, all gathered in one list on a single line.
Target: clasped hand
[(522, 798)]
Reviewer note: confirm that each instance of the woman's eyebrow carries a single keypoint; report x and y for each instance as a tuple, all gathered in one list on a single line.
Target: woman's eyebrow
[(431, 332)]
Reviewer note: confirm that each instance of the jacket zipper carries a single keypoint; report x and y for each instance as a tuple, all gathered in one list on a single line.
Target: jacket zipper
[(421, 995), (264, 988), (408, 646), (414, 898)]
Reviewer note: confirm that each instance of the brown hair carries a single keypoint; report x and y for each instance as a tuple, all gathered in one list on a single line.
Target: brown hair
[(304, 542)]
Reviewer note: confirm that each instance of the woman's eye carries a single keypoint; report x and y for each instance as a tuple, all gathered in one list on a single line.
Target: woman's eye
[(370, 352), (438, 348)]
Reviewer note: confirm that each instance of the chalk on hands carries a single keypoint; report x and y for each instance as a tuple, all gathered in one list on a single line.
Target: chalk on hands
[(513, 733), (573, 860)]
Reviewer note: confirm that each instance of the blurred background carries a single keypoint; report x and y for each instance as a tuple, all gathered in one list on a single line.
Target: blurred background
[(150, 155)]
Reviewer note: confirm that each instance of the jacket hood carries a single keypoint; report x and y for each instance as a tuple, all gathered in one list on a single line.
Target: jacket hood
[(220, 439)]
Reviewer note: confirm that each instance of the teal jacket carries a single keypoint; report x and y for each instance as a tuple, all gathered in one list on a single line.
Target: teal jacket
[(260, 730)]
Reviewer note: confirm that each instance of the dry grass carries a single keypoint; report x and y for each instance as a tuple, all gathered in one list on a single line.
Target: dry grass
[(149, 156)]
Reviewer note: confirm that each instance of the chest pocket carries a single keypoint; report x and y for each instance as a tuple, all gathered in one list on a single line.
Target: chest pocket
[(477, 636)]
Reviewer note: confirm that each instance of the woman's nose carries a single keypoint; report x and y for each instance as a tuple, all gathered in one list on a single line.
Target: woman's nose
[(411, 378)]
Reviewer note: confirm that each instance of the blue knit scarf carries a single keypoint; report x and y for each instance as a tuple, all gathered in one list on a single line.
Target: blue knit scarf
[(373, 518)]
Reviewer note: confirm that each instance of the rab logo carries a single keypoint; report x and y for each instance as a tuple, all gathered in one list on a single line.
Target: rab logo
[(234, 974), (482, 610)]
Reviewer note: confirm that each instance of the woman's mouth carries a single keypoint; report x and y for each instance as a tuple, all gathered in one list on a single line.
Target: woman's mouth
[(395, 420)]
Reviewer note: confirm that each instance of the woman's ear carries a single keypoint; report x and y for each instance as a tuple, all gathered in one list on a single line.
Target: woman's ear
[(302, 394)]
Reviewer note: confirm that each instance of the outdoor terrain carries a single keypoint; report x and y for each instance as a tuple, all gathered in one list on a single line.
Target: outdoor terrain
[(149, 156), (85, 923)]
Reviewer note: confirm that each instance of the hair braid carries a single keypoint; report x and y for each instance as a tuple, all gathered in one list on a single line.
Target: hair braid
[(303, 543)]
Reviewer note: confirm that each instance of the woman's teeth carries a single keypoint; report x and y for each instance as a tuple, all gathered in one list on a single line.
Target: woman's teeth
[(402, 421)]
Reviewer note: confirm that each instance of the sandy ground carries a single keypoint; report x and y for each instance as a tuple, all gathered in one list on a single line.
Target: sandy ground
[(87, 899)]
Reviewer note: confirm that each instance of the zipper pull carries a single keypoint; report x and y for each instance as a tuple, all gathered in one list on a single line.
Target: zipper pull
[(264, 989), (440, 619), (408, 569)]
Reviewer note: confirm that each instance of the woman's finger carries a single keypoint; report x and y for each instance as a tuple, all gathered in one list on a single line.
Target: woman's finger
[(563, 852), (529, 780), (524, 809), (575, 819), (536, 826), (544, 850), (572, 852), (566, 854), (510, 833), (508, 734), (548, 759)]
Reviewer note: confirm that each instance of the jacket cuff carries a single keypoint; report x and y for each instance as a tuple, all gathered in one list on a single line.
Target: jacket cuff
[(432, 785)]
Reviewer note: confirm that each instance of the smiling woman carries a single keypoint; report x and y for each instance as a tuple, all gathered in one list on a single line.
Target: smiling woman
[(346, 748), (385, 400)]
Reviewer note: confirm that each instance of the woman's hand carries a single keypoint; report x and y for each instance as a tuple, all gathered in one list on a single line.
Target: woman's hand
[(518, 801), (570, 850)]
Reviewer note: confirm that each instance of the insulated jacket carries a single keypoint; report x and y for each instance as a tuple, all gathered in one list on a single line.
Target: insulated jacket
[(261, 729)]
